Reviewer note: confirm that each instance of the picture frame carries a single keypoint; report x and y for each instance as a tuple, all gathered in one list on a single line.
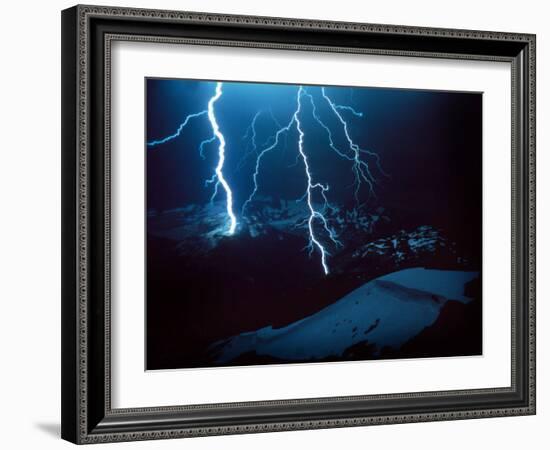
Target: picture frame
[(88, 415)]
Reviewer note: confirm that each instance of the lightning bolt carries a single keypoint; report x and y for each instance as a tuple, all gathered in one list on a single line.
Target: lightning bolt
[(316, 222), (178, 131), (315, 215), (252, 146), (311, 186), (251, 130), (350, 109), (218, 177), (205, 143), (361, 168), (266, 150), (221, 158)]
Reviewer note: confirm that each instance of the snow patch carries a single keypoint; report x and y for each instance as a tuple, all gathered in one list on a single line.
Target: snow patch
[(388, 311)]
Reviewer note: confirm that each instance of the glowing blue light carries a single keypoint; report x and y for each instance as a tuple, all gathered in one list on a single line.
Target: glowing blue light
[(204, 143), (361, 168), (218, 177), (250, 134), (316, 222), (261, 155), (350, 109), (252, 130), (313, 213), (354, 153), (178, 131), (221, 158)]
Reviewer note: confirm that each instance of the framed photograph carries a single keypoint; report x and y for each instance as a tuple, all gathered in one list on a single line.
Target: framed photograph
[(280, 224)]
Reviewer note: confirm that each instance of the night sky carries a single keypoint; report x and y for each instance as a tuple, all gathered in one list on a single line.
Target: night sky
[(429, 143)]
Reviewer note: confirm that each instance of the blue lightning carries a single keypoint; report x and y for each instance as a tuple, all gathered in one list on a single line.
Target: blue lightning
[(178, 131), (251, 130), (360, 167), (204, 143), (353, 153), (221, 155), (266, 150), (316, 222), (218, 177), (350, 109), (313, 213), (250, 133)]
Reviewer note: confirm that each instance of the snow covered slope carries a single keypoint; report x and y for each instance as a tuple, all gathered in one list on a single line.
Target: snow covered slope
[(387, 311)]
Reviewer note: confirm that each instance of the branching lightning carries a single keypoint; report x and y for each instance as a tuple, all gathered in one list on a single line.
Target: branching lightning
[(315, 214), (352, 152), (311, 186), (317, 223), (178, 131), (251, 131), (350, 109), (261, 155), (251, 135), (218, 177), (205, 143), (361, 168)]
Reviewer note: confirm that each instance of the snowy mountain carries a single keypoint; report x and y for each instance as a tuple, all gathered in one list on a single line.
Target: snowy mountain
[(383, 313), (198, 229)]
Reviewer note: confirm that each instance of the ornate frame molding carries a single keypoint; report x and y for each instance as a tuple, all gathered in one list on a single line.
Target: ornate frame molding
[(87, 423)]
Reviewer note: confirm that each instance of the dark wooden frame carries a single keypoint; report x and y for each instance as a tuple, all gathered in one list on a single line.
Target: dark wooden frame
[(87, 32)]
